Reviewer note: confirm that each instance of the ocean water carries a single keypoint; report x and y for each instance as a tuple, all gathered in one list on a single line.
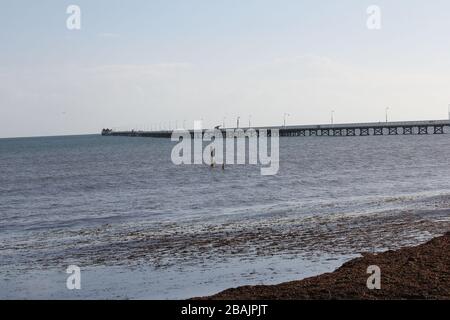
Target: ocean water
[(140, 227)]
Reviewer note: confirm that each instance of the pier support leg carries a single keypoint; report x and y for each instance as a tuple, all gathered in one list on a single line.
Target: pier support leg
[(407, 130), (312, 132), (393, 131), (423, 130), (377, 131), (350, 132), (363, 131), (438, 129)]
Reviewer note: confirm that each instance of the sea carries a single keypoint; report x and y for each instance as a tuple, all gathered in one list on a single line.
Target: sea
[(140, 227)]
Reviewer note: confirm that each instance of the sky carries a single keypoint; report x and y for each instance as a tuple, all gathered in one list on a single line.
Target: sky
[(146, 64)]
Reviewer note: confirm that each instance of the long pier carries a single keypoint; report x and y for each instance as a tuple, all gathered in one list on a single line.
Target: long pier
[(329, 130)]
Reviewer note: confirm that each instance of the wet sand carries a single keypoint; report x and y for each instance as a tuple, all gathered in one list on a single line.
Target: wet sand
[(200, 258), (421, 272), (167, 244)]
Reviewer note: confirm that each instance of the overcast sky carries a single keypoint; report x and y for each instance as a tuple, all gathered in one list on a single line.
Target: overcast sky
[(139, 63)]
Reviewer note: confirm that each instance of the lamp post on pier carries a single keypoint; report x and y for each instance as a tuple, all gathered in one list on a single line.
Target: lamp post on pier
[(284, 119)]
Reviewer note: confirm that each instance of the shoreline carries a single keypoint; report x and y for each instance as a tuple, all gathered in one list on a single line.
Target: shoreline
[(419, 272), (208, 257)]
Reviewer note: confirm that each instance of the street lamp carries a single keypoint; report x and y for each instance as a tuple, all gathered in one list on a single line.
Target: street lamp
[(249, 120), (332, 117), (387, 108), (284, 120), (237, 122)]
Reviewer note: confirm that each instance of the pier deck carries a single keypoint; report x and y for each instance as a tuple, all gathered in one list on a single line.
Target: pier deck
[(329, 130)]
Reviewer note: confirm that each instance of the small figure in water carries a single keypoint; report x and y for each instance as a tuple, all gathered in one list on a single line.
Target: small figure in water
[(213, 154)]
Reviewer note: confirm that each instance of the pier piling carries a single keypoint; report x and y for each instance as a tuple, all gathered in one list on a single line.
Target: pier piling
[(327, 130)]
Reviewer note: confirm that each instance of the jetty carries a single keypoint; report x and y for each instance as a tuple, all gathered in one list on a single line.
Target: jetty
[(329, 130)]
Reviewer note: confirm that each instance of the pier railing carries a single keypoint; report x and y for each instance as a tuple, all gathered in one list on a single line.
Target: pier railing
[(328, 130)]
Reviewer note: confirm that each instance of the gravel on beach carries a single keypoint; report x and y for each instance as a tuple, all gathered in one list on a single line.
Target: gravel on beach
[(420, 272)]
